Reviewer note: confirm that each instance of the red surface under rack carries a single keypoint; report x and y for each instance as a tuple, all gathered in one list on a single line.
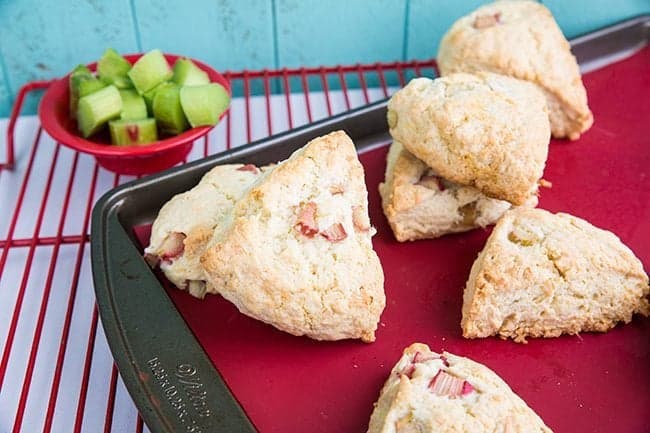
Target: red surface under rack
[(56, 373)]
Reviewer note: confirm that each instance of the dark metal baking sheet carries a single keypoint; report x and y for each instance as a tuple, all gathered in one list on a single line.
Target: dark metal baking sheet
[(172, 381)]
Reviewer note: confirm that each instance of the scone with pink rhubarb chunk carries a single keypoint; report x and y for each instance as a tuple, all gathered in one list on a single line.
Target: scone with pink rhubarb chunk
[(296, 252), (428, 392), (419, 204), (185, 224), (483, 130), (522, 40)]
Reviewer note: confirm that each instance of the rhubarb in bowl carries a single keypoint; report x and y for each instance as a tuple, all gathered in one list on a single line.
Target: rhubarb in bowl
[(56, 117)]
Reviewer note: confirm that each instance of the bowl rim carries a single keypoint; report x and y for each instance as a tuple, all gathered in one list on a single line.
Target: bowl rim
[(52, 125)]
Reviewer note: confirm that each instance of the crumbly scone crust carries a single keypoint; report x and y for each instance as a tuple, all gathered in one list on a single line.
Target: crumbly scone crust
[(324, 288), (521, 39), (417, 209), (195, 214), (483, 130), (407, 404), (543, 275)]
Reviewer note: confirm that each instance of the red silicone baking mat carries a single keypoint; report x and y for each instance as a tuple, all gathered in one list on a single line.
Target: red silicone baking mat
[(591, 382)]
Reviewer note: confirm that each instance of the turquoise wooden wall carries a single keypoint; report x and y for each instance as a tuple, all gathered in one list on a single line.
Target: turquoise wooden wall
[(44, 39)]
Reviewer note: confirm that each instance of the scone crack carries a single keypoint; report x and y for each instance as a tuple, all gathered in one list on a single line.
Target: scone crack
[(219, 191), (554, 261), (512, 237), (308, 317), (552, 256), (431, 181), (336, 188)]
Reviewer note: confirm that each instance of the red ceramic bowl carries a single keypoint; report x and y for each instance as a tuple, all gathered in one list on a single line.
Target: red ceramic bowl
[(53, 112)]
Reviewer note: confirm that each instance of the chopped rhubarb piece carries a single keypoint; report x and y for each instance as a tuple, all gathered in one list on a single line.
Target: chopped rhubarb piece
[(248, 167), (444, 360), (431, 182), (173, 246), (408, 371), (151, 259), (485, 21), (334, 233), (424, 357), (360, 219), (467, 388), (445, 384), (133, 132), (307, 219)]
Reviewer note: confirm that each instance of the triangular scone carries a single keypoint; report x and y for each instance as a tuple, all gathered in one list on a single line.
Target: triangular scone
[(185, 224), (521, 39), (432, 393), (484, 130), (421, 205), (297, 253), (542, 275)]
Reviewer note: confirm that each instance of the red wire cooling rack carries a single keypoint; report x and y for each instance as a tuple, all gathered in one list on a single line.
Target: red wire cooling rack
[(56, 372)]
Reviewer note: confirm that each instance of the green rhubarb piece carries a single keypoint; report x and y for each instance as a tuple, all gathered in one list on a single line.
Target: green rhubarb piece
[(133, 105), (113, 68), (149, 71), (81, 82), (186, 73), (88, 86), (81, 69), (127, 132), (98, 108), (149, 94), (203, 105), (168, 111)]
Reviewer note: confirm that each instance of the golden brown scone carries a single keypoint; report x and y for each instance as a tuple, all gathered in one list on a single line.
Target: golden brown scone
[(431, 393), (543, 275), (483, 130), (297, 250), (421, 205), (521, 39)]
